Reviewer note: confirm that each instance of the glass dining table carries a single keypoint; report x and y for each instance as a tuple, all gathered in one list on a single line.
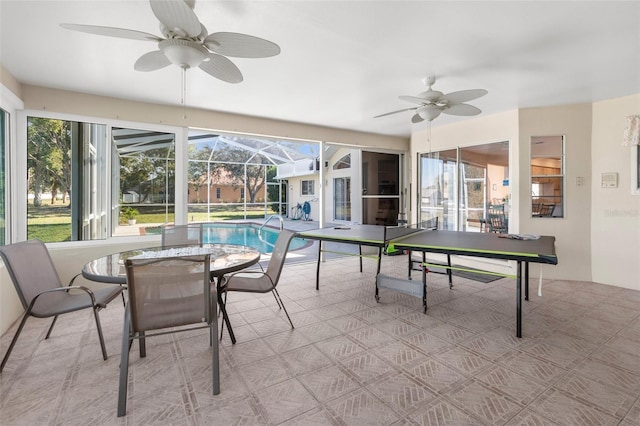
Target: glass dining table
[(225, 258)]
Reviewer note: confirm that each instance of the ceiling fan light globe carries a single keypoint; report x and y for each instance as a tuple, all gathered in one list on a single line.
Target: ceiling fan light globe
[(429, 113), (183, 53)]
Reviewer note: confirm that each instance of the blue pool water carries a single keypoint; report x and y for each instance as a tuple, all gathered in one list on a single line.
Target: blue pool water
[(244, 234)]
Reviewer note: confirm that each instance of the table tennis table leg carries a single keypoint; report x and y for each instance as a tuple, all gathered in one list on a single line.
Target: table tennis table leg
[(360, 255), (519, 300), (526, 281), (377, 271), (318, 266), (424, 284)]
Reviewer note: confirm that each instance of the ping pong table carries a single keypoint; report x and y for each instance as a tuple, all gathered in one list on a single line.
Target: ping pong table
[(492, 246), (361, 235), (474, 244)]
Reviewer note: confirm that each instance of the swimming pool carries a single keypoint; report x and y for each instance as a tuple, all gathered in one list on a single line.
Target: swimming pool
[(245, 234)]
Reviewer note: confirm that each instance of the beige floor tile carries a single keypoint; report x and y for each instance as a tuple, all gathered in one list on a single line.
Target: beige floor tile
[(349, 360)]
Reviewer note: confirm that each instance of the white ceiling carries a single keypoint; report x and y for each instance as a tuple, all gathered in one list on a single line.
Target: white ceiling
[(343, 62)]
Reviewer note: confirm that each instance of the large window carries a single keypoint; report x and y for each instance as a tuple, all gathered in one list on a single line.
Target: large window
[(83, 185), (241, 176), (547, 176)]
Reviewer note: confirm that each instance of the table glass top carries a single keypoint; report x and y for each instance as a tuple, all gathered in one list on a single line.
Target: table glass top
[(224, 258)]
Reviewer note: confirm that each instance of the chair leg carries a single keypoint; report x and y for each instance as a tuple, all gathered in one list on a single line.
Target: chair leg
[(14, 340), (97, 317), (143, 345), (51, 327), (215, 356), (277, 301), (285, 309), (124, 302), (222, 311), (124, 366), (225, 317)]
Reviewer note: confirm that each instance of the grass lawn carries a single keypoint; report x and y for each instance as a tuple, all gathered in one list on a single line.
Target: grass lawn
[(52, 222)]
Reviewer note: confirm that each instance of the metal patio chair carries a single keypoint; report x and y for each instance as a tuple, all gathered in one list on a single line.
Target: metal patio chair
[(259, 281), (41, 292), (165, 293), (182, 235)]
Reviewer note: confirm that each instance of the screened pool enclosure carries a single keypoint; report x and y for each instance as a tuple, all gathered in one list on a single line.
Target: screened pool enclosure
[(90, 181)]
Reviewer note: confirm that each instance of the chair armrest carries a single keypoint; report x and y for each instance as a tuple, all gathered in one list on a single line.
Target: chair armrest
[(73, 279), (72, 287), (243, 272)]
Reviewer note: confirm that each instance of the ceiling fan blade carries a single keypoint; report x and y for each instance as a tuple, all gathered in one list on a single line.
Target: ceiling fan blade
[(462, 109), (112, 32), (221, 68), (463, 95), (416, 119), (414, 99), (177, 17), (395, 112), (152, 61), (241, 45)]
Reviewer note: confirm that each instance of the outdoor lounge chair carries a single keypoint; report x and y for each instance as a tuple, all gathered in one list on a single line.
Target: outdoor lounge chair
[(41, 292)]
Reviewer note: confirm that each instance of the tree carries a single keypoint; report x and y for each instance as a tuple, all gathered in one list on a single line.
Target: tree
[(48, 157), (133, 172), (233, 162), (198, 176)]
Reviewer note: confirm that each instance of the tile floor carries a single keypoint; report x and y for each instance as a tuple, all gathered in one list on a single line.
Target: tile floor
[(350, 360)]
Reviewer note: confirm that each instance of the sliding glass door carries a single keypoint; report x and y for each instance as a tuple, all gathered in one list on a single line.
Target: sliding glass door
[(438, 189), (458, 185)]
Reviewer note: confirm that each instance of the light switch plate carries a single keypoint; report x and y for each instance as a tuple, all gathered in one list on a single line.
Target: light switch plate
[(609, 180)]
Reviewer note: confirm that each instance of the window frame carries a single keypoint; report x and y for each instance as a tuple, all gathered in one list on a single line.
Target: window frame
[(635, 170), (561, 176), (312, 183), (19, 215), (12, 105)]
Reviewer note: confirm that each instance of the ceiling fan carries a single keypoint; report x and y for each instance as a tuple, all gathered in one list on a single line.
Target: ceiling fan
[(432, 103), (187, 44)]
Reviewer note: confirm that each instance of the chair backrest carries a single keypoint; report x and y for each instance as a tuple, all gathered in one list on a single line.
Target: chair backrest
[(182, 235), (535, 208), (497, 221), (279, 254), (547, 209), (168, 292), (30, 268)]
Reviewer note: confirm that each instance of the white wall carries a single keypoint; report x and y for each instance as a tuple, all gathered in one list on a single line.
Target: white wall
[(573, 231), (295, 194), (615, 212)]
